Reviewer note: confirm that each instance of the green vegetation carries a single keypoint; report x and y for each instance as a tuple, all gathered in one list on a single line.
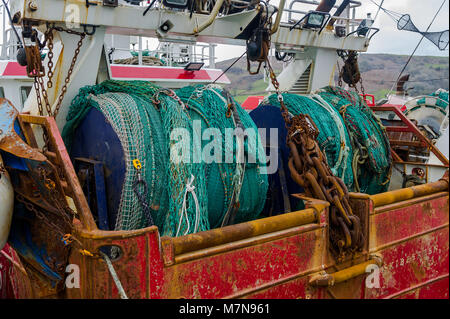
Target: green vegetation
[(380, 94), (379, 73)]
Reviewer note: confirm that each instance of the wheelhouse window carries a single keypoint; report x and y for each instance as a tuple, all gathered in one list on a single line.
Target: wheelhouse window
[(24, 92), (2, 92)]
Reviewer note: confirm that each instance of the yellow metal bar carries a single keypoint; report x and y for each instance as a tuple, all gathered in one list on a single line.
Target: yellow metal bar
[(328, 280), (248, 242), (211, 18), (220, 236), (354, 271), (278, 18), (409, 193)]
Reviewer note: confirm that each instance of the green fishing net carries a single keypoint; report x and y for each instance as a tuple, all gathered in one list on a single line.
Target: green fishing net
[(184, 196), (351, 136)]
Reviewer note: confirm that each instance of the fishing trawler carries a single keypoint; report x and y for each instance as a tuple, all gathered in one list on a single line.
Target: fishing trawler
[(107, 185)]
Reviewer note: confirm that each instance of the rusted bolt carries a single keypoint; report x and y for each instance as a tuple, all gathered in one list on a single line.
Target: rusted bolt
[(33, 6)]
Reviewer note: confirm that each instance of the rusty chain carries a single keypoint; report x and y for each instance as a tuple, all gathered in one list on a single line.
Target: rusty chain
[(309, 168), (39, 214), (72, 65), (311, 171), (169, 92), (36, 70), (38, 80), (66, 238), (50, 185), (350, 70), (276, 85)]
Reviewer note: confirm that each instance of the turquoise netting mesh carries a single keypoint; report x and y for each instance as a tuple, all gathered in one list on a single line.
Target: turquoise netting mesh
[(144, 116), (333, 139), (348, 129), (374, 173), (206, 103)]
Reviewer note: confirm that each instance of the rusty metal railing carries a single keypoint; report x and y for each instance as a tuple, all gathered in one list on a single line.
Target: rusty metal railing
[(410, 192)]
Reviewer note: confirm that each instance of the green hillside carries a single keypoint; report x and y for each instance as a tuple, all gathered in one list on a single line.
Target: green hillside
[(379, 72)]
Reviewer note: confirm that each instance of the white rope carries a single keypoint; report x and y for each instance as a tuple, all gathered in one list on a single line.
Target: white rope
[(198, 92), (113, 273), (238, 177), (189, 189), (211, 88), (239, 172), (344, 150), (445, 122)]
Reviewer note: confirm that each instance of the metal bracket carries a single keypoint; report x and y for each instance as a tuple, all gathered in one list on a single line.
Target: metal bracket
[(110, 3), (85, 29), (90, 4), (323, 279), (365, 30), (327, 18), (10, 141)]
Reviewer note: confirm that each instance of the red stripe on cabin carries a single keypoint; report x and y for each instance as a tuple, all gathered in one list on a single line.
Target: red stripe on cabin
[(219, 76), (132, 72), (14, 69)]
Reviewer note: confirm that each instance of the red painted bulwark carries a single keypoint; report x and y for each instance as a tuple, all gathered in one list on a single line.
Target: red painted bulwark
[(262, 270), (279, 265), (411, 237), (413, 241)]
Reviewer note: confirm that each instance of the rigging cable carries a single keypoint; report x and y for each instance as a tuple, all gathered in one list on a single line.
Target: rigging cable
[(378, 11), (417, 46), (230, 67), (392, 14), (12, 24)]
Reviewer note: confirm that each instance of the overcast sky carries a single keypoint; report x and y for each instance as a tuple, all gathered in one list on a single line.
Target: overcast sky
[(392, 40), (389, 39)]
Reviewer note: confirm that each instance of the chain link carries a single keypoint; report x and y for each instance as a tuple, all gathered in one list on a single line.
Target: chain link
[(65, 237), (38, 80), (276, 85), (50, 185), (40, 88), (157, 102), (43, 217), (311, 171), (72, 65)]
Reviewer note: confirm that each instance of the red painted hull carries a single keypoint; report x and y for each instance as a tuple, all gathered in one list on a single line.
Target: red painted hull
[(410, 236), (280, 264), (284, 256), (14, 282)]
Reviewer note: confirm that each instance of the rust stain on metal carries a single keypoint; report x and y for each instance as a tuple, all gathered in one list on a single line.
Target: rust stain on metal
[(409, 193), (272, 257), (9, 140)]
